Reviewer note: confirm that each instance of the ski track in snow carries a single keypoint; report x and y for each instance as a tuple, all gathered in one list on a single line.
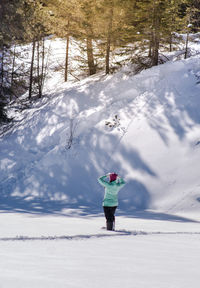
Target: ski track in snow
[(116, 233)]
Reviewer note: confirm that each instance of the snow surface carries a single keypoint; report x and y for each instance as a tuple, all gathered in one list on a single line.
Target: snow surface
[(50, 201), (154, 145), (58, 251)]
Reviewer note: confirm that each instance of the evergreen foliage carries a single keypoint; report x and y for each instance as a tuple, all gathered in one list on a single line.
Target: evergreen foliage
[(138, 29)]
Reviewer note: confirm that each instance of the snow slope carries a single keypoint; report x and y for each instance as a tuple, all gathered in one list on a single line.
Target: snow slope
[(154, 143), (50, 201)]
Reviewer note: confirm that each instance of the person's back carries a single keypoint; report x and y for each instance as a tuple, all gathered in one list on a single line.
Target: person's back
[(111, 190), (110, 201)]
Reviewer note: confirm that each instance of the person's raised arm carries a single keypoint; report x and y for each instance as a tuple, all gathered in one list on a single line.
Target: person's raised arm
[(121, 181), (102, 181)]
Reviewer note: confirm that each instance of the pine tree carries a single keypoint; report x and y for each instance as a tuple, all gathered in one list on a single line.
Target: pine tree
[(173, 21), (153, 22), (63, 22), (10, 31), (36, 28), (86, 26), (194, 7), (110, 27)]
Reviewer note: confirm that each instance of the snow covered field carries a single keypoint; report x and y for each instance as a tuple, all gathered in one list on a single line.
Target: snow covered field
[(50, 201), (58, 251)]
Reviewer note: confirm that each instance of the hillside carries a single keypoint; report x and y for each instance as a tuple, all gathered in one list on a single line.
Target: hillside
[(137, 115), (145, 127), (151, 139)]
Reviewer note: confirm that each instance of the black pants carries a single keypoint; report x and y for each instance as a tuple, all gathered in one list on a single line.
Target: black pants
[(110, 215)]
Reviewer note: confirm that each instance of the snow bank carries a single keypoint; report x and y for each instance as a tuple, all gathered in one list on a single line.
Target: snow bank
[(52, 157)]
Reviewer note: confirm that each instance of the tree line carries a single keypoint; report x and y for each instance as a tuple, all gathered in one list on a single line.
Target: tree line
[(101, 27)]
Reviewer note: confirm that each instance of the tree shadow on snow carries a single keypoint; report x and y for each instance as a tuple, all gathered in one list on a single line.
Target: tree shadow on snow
[(134, 206), (175, 97), (54, 177), (153, 215), (39, 206)]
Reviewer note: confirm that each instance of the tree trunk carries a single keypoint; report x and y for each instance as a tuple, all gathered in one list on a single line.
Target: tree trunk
[(170, 43), (31, 70), (156, 35), (12, 73), (109, 33), (67, 53), (67, 59), (90, 56), (150, 47), (43, 68), (186, 44), (155, 54), (40, 68), (2, 67), (13, 66), (173, 13), (39, 75), (1, 53)]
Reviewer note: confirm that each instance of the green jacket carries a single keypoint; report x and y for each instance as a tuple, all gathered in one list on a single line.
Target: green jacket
[(111, 191)]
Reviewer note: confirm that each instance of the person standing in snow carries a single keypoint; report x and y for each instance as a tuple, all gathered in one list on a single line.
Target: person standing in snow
[(110, 201)]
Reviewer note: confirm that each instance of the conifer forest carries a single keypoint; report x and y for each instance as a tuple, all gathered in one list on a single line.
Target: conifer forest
[(138, 31)]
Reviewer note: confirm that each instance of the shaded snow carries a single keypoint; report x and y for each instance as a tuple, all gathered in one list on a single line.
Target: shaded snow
[(50, 202), (152, 145)]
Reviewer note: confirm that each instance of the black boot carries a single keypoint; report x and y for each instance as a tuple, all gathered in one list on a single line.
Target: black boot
[(109, 225)]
